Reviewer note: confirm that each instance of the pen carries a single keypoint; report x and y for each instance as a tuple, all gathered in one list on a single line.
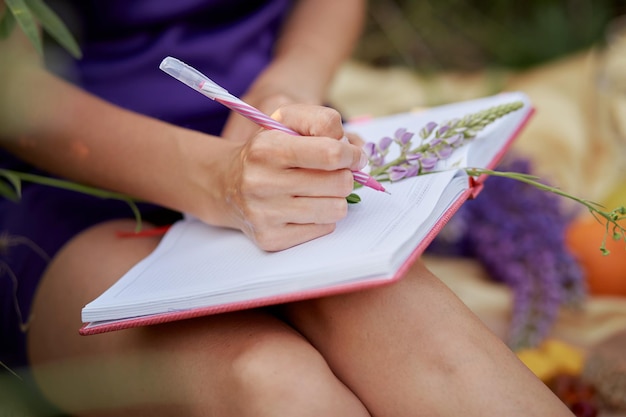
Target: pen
[(202, 84)]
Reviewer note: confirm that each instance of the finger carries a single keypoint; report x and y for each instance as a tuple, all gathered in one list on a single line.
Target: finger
[(309, 120), (329, 154), (308, 183), (318, 153), (355, 139), (318, 210), (291, 235), (298, 182), (296, 210)]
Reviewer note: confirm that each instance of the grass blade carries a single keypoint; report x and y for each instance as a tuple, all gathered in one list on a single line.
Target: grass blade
[(7, 22), (54, 26), (26, 20)]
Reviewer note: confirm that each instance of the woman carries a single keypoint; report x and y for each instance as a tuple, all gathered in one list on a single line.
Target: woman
[(410, 348)]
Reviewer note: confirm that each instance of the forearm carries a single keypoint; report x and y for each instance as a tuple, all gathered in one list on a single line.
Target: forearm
[(67, 132), (317, 38), (279, 191)]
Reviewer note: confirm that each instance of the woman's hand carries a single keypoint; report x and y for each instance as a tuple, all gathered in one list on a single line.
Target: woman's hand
[(283, 190)]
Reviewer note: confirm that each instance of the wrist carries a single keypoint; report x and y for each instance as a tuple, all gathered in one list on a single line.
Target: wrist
[(200, 177)]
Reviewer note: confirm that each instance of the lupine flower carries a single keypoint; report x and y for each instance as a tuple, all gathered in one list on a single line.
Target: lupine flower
[(426, 131), (403, 137), (515, 228), (444, 152), (384, 144), (442, 130), (428, 162), (396, 173), (455, 140), (370, 149), (445, 138), (517, 232), (375, 157)]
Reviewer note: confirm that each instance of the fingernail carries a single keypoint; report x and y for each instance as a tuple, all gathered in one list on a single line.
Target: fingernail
[(363, 162)]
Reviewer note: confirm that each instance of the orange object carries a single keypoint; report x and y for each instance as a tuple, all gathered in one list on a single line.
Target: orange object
[(605, 274)]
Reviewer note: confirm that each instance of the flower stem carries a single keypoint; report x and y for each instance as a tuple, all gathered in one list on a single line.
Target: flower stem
[(15, 178), (610, 219)]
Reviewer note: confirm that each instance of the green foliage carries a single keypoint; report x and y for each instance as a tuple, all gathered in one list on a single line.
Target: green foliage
[(472, 34), (7, 22), (11, 186), (354, 198), (25, 19), (29, 14)]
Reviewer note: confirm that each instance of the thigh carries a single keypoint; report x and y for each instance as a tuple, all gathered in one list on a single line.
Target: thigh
[(413, 347), (32, 231), (245, 363)]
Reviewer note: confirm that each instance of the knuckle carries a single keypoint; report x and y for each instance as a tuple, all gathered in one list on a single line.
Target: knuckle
[(262, 232), (338, 209), (251, 185), (331, 118), (328, 123), (334, 154), (259, 148)]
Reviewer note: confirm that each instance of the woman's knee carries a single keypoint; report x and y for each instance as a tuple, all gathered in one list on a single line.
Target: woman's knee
[(290, 377)]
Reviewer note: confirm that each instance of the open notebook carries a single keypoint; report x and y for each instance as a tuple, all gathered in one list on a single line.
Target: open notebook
[(199, 269)]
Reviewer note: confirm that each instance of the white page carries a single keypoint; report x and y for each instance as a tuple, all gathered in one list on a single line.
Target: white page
[(180, 270), (195, 261)]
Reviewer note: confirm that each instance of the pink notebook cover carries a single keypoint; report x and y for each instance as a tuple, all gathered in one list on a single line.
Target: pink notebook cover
[(476, 185)]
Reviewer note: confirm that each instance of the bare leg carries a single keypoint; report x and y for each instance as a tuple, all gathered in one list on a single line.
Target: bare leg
[(248, 363), (413, 348)]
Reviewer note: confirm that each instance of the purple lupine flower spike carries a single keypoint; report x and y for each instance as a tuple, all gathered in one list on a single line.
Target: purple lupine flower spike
[(428, 162), (442, 130), (455, 140), (517, 232), (405, 138), (396, 173), (444, 152), (384, 144), (427, 130), (414, 158), (370, 149), (435, 142), (399, 132), (412, 171)]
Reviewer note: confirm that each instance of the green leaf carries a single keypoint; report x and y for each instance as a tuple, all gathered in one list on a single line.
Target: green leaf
[(54, 26), (353, 198), (8, 192), (25, 19), (7, 22), (15, 182)]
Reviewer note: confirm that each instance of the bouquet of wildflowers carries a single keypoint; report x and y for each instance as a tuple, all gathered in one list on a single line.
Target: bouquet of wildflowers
[(515, 228)]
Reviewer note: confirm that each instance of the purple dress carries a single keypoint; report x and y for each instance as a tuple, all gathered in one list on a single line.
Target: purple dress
[(123, 43)]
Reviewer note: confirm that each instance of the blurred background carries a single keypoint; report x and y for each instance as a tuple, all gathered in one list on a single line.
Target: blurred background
[(569, 56), (433, 35)]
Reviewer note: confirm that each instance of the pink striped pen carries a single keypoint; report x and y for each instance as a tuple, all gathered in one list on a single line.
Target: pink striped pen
[(202, 84)]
